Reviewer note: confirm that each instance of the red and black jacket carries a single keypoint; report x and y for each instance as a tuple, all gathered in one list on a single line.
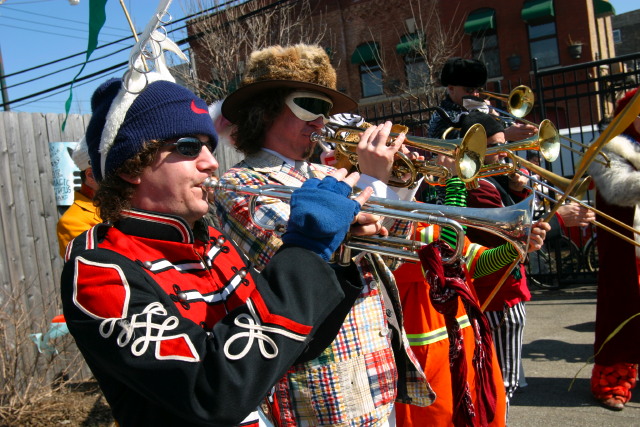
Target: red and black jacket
[(179, 330)]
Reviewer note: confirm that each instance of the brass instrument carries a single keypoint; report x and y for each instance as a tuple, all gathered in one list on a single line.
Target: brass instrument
[(519, 104), (468, 153), (558, 182), (618, 124), (512, 223), (559, 185), (547, 141), (519, 101)]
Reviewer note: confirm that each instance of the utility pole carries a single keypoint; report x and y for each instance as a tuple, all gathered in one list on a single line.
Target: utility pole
[(3, 86)]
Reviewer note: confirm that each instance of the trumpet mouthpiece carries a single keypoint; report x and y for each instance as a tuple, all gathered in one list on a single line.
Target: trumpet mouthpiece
[(209, 183)]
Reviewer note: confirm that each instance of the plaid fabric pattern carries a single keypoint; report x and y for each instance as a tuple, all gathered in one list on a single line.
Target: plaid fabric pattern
[(353, 382)]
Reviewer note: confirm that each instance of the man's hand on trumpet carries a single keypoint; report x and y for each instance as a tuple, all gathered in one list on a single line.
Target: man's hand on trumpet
[(376, 151), (519, 131), (518, 182)]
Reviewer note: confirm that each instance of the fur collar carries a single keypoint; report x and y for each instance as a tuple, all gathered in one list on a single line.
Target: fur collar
[(626, 148)]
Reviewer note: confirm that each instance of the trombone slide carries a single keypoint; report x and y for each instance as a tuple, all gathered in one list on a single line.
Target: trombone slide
[(512, 223)]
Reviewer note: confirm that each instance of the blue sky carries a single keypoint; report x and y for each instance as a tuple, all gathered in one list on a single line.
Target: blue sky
[(35, 32)]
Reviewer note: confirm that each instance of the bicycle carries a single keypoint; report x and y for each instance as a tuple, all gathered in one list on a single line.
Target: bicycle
[(562, 261)]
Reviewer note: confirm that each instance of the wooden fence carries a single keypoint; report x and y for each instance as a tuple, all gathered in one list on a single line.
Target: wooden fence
[(30, 265)]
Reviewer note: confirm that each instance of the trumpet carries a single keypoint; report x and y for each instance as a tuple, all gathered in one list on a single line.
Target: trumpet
[(547, 141), (468, 153), (519, 101), (512, 223)]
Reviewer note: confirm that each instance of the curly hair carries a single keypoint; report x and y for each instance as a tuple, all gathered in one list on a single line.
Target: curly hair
[(255, 120), (114, 193)]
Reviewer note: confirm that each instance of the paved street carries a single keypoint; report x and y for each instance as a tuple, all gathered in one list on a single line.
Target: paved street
[(558, 341)]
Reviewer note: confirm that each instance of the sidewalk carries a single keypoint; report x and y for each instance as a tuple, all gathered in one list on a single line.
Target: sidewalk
[(558, 341)]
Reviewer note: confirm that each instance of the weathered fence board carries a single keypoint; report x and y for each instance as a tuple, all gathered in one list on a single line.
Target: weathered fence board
[(29, 259)]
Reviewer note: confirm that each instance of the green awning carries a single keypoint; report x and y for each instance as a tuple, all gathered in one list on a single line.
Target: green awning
[(410, 43), (536, 10), (603, 8), (364, 53), (480, 20)]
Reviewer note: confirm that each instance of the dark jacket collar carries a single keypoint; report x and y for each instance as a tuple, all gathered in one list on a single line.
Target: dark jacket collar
[(159, 226)]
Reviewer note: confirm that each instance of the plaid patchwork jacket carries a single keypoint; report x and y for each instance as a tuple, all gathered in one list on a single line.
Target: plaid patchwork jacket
[(369, 365)]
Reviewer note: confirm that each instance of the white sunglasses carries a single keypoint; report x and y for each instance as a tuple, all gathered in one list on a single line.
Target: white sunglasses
[(308, 106)]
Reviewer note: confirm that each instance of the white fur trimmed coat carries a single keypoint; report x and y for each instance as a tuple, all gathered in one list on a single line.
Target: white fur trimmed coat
[(619, 184)]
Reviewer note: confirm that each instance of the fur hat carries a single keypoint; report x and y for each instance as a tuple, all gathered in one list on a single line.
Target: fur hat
[(463, 72), (302, 66), (491, 123), (163, 110)]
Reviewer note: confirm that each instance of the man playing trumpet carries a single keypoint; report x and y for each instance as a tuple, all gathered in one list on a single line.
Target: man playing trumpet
[(287, 94)]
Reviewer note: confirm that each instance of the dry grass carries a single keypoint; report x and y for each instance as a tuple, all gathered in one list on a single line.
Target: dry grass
[(39, 389)]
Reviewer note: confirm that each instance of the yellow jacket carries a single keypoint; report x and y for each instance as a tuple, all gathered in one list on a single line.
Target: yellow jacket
[(81, 216)]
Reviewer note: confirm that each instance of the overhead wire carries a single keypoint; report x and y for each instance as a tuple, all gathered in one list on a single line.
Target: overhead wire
[(128, 38), (50, 25)]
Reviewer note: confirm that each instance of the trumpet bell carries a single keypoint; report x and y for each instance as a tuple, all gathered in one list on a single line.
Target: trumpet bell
[(470, 159), (521, 100), (548, 140)]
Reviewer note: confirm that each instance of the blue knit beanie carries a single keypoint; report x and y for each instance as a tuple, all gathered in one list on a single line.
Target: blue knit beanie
[(163, 110)]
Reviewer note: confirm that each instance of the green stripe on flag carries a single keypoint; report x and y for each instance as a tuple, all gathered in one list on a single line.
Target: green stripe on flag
[(97, 18)]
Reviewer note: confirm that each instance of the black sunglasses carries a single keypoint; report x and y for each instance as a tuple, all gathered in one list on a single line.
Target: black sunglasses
[(190, 146), (314, 105)]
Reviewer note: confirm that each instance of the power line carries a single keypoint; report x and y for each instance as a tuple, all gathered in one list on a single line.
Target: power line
[(98, 77), (128, 38), (64, 85), (68, 68), (84, 31), (109, 69), (31, 13)]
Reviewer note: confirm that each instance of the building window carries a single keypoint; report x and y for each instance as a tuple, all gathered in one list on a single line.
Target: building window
[(367, 56), (371, 79), (412, 47), (417, 71), (484, 47), (543, 44), (617, 36)]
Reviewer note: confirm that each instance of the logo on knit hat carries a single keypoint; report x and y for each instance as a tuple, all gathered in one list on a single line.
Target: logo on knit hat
[(197, 109)]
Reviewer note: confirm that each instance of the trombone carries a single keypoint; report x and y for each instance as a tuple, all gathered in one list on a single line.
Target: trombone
[(520, 102), (512, 223), (468, 153), (560, 185)]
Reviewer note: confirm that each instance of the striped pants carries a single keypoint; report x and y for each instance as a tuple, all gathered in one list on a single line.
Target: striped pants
[(507, 328)]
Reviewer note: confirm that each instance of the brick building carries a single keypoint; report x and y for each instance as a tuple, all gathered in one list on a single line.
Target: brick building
[(626, 32), (389, 50)]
